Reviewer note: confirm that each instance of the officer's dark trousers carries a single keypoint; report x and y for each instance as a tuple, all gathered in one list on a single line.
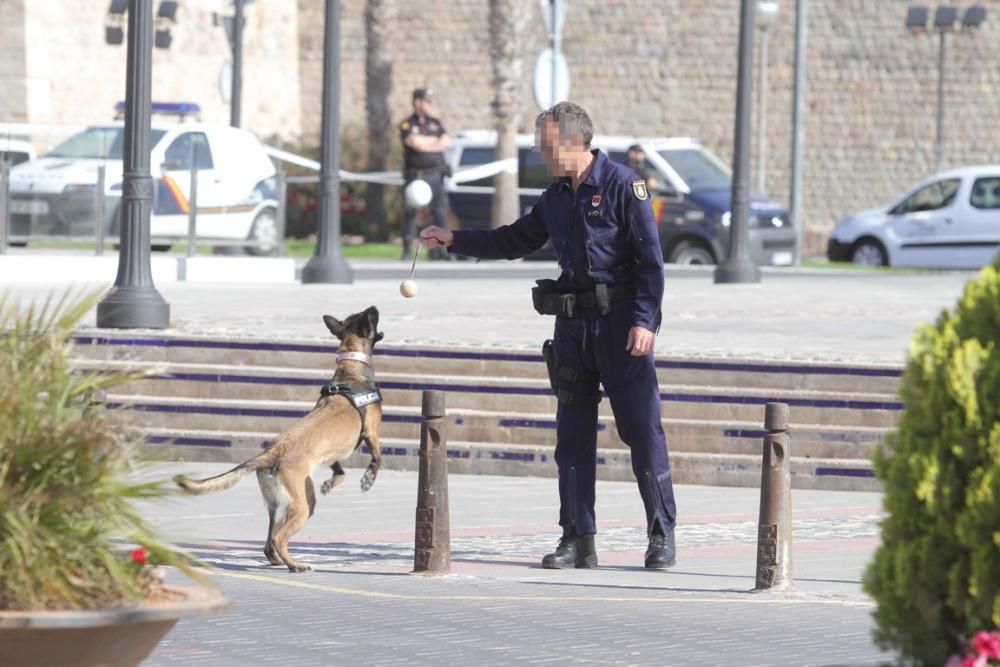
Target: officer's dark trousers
[(596, 345), (438, 206)]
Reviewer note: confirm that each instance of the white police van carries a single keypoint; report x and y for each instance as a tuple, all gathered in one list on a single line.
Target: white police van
[(691, 201), (236, 189)]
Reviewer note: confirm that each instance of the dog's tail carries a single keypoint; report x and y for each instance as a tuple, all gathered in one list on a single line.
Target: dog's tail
[(224, 481)]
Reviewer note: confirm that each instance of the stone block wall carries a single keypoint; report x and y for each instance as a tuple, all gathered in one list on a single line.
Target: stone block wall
[(71, 76), (13, 106), (668, 69)]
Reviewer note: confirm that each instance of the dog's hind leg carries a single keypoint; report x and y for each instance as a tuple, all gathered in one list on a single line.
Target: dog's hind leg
[(376, 449), (302, 501), (338, 478), (276, 509)]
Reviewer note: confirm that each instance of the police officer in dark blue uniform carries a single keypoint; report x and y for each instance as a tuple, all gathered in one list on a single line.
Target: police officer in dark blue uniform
[(424, 142), (607, 306)]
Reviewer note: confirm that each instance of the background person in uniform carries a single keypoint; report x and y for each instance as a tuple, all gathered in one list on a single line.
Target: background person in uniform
[(637, 161), (424, 142), (607, 306)]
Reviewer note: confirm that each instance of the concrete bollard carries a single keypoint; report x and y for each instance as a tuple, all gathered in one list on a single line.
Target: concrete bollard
[(774, 528), (432, 548)]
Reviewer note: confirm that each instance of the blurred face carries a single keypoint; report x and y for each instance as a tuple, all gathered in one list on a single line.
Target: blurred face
[(560, 155), (423, 106)]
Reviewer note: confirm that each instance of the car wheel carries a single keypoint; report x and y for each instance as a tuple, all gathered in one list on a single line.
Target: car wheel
[(869, 252), (263, 232), (691, 253)]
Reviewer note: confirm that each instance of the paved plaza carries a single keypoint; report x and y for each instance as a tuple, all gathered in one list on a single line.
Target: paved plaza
[(361, 606)]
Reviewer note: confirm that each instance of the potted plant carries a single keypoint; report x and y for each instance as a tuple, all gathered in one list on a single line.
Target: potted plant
[(79, 582)]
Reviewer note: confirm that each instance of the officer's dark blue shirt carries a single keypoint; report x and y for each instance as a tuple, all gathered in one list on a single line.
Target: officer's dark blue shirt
[(604, 232)]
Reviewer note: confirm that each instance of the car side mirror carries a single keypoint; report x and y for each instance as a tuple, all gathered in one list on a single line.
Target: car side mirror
[(172, 165)]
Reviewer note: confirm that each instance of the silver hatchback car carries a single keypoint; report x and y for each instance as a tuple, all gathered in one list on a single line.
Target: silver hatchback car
[(948, 221)]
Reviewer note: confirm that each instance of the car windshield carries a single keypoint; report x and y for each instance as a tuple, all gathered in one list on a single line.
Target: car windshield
[(698, 168), (97, 143)]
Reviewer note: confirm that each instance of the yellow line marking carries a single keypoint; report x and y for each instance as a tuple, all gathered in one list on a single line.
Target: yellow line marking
[(749, 599)]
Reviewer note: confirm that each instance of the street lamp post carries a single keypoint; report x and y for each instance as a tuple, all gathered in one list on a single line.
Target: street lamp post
[(739, 267), (945, 21), (133, 302), (236, 100), (798, 122), (767, 11), (328, 265)]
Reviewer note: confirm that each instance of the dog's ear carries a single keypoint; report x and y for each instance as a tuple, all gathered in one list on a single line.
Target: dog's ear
[(379, 336), (335, 326), (372, 314)]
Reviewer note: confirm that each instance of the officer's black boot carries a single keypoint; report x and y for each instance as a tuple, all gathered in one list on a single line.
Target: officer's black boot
[(407, 250), (573, 551), (661, 552)]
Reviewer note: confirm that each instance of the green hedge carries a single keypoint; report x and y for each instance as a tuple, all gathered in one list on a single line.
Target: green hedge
[(936, 575)]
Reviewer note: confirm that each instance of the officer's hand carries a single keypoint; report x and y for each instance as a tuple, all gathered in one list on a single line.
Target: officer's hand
[(436, 236), (640, 341)]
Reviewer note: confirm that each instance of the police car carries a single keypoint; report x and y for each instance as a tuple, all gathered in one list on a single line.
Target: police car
[(691, 201), (236, 184), (948, 221)]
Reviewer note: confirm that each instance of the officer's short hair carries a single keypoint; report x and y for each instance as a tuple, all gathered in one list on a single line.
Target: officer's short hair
[(572, 119)]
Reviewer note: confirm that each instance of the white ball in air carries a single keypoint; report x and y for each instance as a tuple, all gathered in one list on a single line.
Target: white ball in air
[(418, 194), (408, 288)]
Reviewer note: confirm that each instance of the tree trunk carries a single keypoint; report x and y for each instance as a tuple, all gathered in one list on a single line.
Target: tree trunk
[(378, 84), (509, 21)]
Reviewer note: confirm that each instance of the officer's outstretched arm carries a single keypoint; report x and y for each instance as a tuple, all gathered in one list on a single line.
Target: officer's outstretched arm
[(645, 242), (518, 239)]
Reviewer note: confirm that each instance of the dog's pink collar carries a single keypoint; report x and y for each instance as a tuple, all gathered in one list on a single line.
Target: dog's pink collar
[(353, 356)]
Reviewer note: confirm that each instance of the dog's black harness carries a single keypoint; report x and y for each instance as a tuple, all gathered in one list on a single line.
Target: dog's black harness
[(360, 396)]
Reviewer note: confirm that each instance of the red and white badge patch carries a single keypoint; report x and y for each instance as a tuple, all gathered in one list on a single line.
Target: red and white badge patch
[(595, 200)]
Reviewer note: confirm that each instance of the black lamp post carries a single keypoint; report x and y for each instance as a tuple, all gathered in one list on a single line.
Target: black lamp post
[(133, 302), (739, 267), (236, 101), (328, 265)]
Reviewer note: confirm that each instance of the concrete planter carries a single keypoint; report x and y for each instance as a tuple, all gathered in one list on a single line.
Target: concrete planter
[(118, 637)]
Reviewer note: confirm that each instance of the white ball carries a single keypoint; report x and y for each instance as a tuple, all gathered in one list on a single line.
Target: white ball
[(418, 194), (408, 288)]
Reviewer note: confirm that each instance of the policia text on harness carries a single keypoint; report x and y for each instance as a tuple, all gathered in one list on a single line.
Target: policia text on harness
[(549, 300)]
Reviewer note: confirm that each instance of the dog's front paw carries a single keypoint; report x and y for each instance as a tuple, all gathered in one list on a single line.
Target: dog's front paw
[(329, 484), (368, 479), (299, 567)]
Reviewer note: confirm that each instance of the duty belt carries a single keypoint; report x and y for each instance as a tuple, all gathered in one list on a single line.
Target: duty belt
[(548, 300)]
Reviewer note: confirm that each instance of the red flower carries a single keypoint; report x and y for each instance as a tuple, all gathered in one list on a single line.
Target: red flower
[(138, 556), (987, 644)]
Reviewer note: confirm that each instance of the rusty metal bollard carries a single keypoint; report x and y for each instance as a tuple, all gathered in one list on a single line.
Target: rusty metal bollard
[(774, 528), (432, 548)]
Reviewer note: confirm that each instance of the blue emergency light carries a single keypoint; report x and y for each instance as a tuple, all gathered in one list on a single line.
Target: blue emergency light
[(179, 109)]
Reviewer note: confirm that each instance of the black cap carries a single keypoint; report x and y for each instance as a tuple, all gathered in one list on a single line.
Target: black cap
[(423, 94)]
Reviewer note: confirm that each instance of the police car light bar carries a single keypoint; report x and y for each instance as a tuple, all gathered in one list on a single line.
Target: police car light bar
[(179, 109)]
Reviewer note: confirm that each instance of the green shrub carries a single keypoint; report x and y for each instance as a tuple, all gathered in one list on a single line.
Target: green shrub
[(936, 575), (66, 501)]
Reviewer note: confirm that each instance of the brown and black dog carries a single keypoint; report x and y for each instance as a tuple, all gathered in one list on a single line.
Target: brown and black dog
[(331, 431)]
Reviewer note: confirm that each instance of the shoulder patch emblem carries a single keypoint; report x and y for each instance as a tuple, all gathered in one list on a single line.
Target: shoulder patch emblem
[(639, 190)]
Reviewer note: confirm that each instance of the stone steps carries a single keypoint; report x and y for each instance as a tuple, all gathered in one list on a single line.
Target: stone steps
[(522, 460), (221, 399)]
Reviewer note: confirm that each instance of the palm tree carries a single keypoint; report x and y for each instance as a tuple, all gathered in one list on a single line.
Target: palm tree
[(378, 84), (509, 21)]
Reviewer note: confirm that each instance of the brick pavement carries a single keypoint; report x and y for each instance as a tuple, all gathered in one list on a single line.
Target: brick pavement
[(360, 605)]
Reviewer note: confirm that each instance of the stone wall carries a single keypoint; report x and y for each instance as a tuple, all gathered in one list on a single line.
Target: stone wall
[(71, 76), (13, 104), (669, 67)]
